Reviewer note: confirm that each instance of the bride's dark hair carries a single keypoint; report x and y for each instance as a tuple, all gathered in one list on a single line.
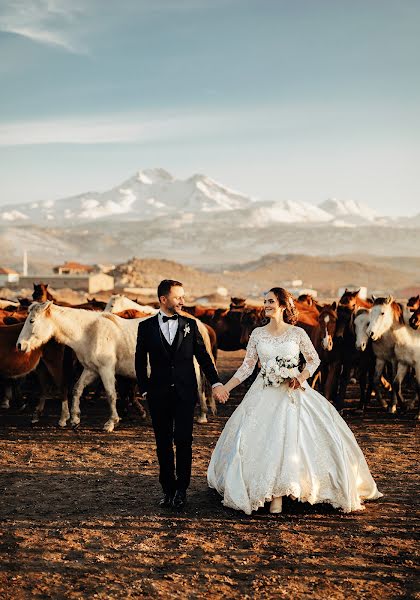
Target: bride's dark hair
[(285, 299)]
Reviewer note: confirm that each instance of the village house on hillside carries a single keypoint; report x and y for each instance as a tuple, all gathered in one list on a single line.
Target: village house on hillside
[(73, 268), (8, 276), (74, 275)]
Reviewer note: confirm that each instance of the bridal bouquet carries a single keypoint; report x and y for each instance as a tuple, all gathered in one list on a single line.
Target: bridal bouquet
[(276, 370)]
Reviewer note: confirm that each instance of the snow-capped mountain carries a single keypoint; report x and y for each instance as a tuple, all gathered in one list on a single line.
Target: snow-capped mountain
[(349, 212), (155, 193), (147, 195)]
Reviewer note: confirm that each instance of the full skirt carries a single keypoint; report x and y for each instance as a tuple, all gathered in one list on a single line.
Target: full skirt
[(281, 442)]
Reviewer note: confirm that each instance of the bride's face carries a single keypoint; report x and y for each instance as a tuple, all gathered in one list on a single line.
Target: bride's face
[(271, 306)]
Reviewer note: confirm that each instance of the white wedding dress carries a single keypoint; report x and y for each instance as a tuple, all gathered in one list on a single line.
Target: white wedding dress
[(281, 442)]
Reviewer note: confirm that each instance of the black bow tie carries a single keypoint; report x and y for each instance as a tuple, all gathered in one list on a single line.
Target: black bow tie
[(165, 318)]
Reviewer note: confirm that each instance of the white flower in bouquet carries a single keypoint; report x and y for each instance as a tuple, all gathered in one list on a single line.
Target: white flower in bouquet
[(284, 372), (276, 370)]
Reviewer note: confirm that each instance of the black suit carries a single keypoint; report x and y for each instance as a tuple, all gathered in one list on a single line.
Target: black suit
[(172, 393)]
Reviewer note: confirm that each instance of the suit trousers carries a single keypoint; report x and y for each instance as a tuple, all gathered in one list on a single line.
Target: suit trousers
[(172, 419)]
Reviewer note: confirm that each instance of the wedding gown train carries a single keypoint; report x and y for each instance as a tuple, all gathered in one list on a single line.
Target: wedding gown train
[(280, 442)]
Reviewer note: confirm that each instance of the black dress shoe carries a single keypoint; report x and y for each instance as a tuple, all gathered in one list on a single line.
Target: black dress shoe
[(180, 499), (166, 501)]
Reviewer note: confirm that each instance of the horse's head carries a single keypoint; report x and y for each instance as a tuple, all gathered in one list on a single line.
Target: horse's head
[(327, 324), (349, 299), (361, 322), (415, 319), (113, 304), (382, 317), (413, 303), (41, 293), (306, 299), (38, 327), (250, 319), (237, 303)]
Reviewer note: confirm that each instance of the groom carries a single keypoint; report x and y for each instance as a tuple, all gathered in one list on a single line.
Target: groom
[(171, 341)]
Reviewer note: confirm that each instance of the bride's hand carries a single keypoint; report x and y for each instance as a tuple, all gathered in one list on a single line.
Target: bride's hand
[(295, 384)]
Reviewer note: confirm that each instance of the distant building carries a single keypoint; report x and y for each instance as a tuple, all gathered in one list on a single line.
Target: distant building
[(90, 283), (73, 268), (8, 276)]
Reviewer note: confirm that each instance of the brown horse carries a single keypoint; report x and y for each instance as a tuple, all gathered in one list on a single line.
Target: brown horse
[(308, 300), (352, 300), (42, 294), (413, 303), (48, 362)]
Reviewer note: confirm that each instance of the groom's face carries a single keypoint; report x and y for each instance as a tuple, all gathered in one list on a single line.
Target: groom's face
[(174, 301)]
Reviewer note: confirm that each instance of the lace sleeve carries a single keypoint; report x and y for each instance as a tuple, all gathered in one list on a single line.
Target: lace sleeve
[(309, 353), (251, 357)]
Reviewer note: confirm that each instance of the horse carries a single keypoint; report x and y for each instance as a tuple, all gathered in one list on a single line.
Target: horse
[(118, 303), (366, 357), (47, 360), (353, 301), (4, 303), (309, 300), (104, 344), (386, 319), (41, 293), (413, 303), (11, 318)]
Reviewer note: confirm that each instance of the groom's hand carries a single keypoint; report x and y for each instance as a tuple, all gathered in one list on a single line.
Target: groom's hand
[(220, 393)]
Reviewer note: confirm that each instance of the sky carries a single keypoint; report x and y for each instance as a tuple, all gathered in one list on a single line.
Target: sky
[(279, 99)]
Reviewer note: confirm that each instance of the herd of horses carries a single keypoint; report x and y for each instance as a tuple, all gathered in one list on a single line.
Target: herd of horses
[(71, 347)]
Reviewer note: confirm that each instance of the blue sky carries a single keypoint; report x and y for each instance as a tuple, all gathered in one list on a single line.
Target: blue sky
[(281, 99)]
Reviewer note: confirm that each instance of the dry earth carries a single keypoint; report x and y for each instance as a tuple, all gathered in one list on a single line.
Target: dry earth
[(79, 519)]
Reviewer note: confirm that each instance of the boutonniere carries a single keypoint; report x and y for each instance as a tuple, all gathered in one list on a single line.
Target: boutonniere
[(187, 329)]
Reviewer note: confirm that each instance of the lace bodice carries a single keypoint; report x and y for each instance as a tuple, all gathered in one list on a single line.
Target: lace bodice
[(262, 345)]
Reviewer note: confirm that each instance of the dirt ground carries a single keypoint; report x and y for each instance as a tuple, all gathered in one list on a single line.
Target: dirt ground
[(78, 518)]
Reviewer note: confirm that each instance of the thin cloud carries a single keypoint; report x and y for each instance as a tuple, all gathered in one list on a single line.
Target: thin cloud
[(49, 22), (111, 129)]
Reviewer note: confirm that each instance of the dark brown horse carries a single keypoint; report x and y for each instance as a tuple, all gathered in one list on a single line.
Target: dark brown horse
[(352, 300), (41, 293), (414, 303)]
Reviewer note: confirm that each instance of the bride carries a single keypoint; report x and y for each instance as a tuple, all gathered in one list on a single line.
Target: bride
[(285, 439)]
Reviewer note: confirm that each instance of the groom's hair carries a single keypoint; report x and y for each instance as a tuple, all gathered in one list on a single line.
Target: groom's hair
[(165, 286)]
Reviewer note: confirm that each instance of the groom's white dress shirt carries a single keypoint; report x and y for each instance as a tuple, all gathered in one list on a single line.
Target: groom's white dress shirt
[(169, 328)]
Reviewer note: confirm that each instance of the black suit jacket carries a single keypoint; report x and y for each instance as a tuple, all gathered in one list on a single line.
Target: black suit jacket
[(171, 369)]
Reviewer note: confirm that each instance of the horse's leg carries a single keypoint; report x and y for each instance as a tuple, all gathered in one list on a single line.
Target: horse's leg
[(202, 418), (42, 375), (108, 379), (7, 396), (394, 369), (397, 386), (362, 385), (379, 367), (315, 379), (86, 378), (417, 376), (343, 383)]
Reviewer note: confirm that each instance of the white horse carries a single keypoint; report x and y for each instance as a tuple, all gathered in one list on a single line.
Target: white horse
[(103, 343), (361, 323), (117, 303), (391, 340)]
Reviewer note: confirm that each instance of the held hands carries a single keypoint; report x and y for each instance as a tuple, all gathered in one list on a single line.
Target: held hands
[(220, 393)]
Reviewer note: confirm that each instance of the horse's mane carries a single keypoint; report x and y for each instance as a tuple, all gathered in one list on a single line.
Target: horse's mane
[(114, 318)]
